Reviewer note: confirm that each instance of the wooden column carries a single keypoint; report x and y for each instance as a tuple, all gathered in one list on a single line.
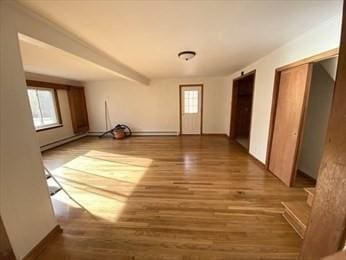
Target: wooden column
[(6, 252), (326, 230)]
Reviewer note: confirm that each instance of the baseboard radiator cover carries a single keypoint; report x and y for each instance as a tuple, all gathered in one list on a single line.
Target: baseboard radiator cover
[(61, 142), (143, 133)]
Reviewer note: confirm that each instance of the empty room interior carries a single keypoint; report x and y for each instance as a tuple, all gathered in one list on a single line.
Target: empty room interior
[(172, 129)]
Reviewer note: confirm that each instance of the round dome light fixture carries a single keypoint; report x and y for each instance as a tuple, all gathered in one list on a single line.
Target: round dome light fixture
[(186, 55)]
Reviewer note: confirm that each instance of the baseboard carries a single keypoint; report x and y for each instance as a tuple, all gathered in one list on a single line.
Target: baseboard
[(305, 175), (258, 162), (215, 134), (158, 133), (261, 164), (37, 250), (61, 142), (143, 133)]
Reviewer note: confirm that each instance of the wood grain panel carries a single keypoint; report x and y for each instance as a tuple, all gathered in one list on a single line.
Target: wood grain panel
[(6, 252), (326, 231), (293, 90), (79, 114)]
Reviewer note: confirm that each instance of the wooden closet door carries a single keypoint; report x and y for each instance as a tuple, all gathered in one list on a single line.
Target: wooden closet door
[(293, 88)]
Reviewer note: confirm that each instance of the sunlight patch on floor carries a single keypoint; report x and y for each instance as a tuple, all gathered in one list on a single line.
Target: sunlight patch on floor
[(100, 182)]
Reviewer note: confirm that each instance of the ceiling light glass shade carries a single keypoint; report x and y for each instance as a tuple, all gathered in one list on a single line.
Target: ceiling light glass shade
[(186, 55)]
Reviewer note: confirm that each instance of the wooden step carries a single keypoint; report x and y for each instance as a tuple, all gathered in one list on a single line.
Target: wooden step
[(297, 215), (311, 193)]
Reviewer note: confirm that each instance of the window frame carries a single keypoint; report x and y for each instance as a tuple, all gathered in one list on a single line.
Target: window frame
[(38, 85)]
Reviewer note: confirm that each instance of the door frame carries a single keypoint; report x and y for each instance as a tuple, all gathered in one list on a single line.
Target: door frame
[(180, 110), (311, 60), (234, 102)]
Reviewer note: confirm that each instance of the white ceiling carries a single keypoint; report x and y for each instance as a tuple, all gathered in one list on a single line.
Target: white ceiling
[(147, 35), (44, 59)]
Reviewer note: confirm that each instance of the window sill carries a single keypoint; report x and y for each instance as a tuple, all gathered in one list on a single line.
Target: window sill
[(48, 127)]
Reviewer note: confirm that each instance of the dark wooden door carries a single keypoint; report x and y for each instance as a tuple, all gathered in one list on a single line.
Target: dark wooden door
[(293, 89), (242, 98), (243, 119)]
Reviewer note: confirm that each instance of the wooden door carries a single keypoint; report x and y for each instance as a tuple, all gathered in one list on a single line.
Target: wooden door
[(243, 110), (191, 110), (293, 88)]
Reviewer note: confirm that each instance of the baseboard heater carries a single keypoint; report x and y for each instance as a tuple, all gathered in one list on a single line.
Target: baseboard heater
[(61, 142), (144, 133)]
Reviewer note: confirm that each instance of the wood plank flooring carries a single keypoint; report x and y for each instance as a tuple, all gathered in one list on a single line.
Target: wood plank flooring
[(168, 198)]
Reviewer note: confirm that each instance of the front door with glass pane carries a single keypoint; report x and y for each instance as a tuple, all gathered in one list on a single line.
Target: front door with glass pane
[(191, 109)]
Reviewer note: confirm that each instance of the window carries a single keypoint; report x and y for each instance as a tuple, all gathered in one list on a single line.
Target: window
[(191, 101), (43, 103)]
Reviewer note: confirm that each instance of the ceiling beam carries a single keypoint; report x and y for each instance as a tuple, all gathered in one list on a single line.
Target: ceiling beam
[(40, 28)]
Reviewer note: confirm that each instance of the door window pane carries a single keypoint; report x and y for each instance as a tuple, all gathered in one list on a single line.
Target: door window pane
[(191, 101)]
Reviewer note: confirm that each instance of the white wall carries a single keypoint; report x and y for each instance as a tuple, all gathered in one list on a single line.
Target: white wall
[(330, 66), (319, 39), (25, 205), (316, 122), (66, 131), (154, 107)]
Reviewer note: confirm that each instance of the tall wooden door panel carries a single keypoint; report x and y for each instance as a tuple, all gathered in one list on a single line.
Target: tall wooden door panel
[(293, 88)]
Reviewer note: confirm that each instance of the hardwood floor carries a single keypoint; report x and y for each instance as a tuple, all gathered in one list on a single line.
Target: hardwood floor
[(168, 198)]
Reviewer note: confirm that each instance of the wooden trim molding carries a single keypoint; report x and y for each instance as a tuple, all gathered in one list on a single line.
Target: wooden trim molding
[(36, 251), (312, 59), (245, 75), (215, 134), (180, 104), (43, 84)]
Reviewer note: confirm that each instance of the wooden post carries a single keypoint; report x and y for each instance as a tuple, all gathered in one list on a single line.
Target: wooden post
[(326, 231), (6, 251)]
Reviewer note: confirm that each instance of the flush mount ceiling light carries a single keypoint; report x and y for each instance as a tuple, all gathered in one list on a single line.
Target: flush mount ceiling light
[(186, 55)]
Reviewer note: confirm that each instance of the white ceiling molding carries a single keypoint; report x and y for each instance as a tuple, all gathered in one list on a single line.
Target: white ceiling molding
[(37, 27)]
